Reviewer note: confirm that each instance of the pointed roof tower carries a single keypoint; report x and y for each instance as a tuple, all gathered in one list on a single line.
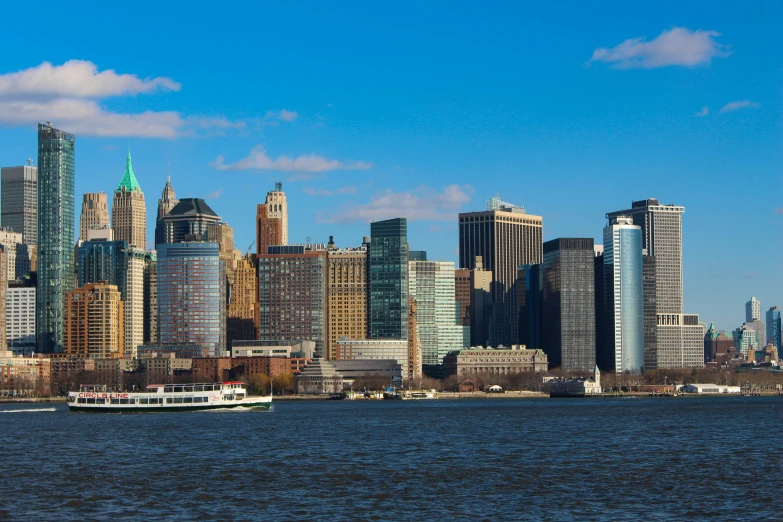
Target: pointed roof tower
[(129, 181)]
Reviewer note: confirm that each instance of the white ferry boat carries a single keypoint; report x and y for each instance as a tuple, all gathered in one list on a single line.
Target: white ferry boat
[(419, 395), (166, 397)]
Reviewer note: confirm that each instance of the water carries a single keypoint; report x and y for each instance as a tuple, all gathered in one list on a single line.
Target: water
[(495, 459)]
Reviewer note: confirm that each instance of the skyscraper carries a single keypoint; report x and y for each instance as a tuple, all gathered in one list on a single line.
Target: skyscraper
[(95, 213), (506, 237), (568, 304), (268, 229), (753, 310), (480, 303), (277, 207), (189, 219), (167, 202), (56, 173), (10, 240), (151, 297), (19, 193), (623, 294), (94, 322), (347, 295), (774, 328), (3, 290), (243, 303), (129, 210), (388, 279)]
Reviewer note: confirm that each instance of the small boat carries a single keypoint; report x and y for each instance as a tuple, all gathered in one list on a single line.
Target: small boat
[(419, 395), (166, 397)]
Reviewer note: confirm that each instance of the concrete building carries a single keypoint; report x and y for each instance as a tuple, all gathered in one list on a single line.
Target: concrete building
[(22, 375), (245, 368), (387, 371), (9, 241), (346, 295), (506, 237), (774, 333), (530, 302), (129, 210), (374, 349), (167, 201), (100, 233), (462, 294), (680, 341), (243, 301), (95, 213), (187, 350), (151, 333), (568, 304), (752, 310), (746, 339), (650, 311), (414, 344), (480, 309), (94, 322), (431, 283), (575, 387), (269, 230), (710, 389), (292, 292), (189, 220), (388, 279), (277, 207), (192, 295), (20, 317), (3, 290), (19, 201), (623, 296), (320, 376), (56, 175), (283, 351), (495, 361), (760, 329)]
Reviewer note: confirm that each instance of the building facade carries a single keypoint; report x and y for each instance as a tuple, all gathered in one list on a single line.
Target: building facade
[(20, 317), (19, 201), (95, 213), (243, 302), (774, 332), (388, 279), (189, 220), (277, 208), (478, 360), (374, 349), (753, 310), (151, 297), (414, 344), (129, 210), (94, 322), (10, 240), (347, 295), (269, 230), (56, 177), (462, 294), (168, 200)]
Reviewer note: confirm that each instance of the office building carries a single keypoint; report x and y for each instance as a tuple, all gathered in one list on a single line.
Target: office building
[(650, 312), (19, 201), (718, 347), (151, 297), (761, 331), (277, 207), (568, 304), (189, 220), (432, 286), (129, 210), (10, 240), (417, 255), (3, 290), (292, 293), (414, 344), (480, 309), (494, 361), (623, 294), (268, 229), (753, 310), (192, 295), (56, 175), (774, 336), (95, 213), (373, 349), (746, 340), (506, 237), (346, 295), (680, 341), (530, 301), (20, 316), (167, 201), (462, 293), (243, 302), (388, 279), (94, 322), (601, 350)]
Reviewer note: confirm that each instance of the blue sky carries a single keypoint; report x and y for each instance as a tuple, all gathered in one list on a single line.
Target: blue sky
[(368, 110)]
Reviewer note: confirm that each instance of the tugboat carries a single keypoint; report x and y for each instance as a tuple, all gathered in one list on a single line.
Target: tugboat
[(166, 397)]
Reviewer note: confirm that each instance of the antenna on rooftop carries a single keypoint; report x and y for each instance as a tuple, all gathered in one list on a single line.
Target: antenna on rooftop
[(30, 161), (279, 187)]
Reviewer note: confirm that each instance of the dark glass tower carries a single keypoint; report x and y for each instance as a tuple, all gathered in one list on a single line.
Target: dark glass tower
[(56, 203), (388, 279)]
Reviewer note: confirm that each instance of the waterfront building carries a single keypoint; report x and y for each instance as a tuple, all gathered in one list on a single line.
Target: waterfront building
[(432, 285), (3, 290), (186, 350), (680, 341), (151, 297), (575, 386), (167, 201), (495, 361), (94, 319), (268, 229), (480, 310), (347, 295), (320, 376), (277, 207), (189, 220), (244, 368), (56, 177), (129, 210), (752, 310), (374, 349), (650, 312), (506, 237), (774, 333), (292, 294), (568, 304), (414, 344), (19, 201), (95, 213), (23, 375), (602, 352), (191, 295), (20, 316), (10, 240), (211, 369), (386, 371), (250, 349), (162, 367), (243, 303), (388, 279), (623, 293)]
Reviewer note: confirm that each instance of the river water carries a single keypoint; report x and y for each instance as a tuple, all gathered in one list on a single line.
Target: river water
[(483, 459)]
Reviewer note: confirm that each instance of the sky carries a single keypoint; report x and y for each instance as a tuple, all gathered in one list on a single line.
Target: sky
[(373, 110)]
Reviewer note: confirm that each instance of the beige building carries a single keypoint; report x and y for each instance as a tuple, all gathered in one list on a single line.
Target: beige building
[(95, 213), (414, 344), (242, 310), (346, 295), (3, 290), (94, 322), (503, 361), (9, 240), (369, 349), (134, 302), (277, 207), (129, 210), (462, 291)]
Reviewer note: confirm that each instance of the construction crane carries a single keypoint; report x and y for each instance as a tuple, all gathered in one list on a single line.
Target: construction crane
[(251, 246)]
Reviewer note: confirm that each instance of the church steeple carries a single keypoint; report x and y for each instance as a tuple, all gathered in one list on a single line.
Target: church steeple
[(129, 181)]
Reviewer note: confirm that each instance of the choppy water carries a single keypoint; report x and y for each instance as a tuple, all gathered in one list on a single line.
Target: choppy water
[(497, 459)]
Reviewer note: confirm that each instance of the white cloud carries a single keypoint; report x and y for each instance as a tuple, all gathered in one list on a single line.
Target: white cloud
[(260, 160), (214, 194), (678, 46), (272, 117), (778, 211), (703, 112), (421, 204), (287, 115), (350, 189), (740, 104)]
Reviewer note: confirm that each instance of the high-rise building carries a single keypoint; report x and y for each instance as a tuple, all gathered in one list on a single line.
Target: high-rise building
[(388, 279), (243, 302), (151, 297), (746, 340), (761, 331), (19, 193), (268, 229), (277, 207), (189, 220), (480, 309), (462, 293), (10, 240), (20, 316), (94, 322), (347, 295), (650, 312), (167, 202), (95, 213), (431, 284), (3, 290), (56, 174), (604, 356), (129, 210), (568, 304), (623, 273), (774, 333), (192, 295), (292, 291), (506, 237), (414, 344), (530, 301), (753, 310)]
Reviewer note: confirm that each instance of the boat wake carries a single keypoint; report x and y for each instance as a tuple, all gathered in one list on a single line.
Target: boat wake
[(28, 410), (240, 409)]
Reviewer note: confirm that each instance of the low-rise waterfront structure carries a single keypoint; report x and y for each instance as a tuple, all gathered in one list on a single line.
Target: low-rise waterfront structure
[(499, 361), (709, 388), (373, 349), (576, 387)]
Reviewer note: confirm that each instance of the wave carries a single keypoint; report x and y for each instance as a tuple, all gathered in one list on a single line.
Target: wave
[(28, 410)]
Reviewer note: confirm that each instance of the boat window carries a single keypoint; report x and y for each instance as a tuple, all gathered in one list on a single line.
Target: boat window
[(168, 389), (144, 400), (188, 388), (100, 401), (115, 401), (124, 401), (196, 399), (82, 401), (169, 400), (177, 400), (153, 400), (229, 397), (187, 400)]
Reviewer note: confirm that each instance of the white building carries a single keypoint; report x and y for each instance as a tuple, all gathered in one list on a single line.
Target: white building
[(753, 310), (20, 319), (394, 349), (261, 351), (709, 388), (134, 302), (9, 240), (575, 387)]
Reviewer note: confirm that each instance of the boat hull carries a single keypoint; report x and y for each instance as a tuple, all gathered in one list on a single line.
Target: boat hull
[(259, 405)]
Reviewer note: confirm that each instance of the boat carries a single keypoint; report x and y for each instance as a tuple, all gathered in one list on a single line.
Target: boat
[(419, 395), (166, 397)]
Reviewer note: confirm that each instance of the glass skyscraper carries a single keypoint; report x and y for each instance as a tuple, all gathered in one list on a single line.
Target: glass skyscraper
[(774, 327), (56, 173), (20, 201), (103, 261), (388, 280)]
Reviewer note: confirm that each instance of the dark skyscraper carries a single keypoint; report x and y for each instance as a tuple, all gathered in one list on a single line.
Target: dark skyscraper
[(388, 307), (56, 173), (167, 201), (20, 201), (190, 219), (530, 285), (568, 304)]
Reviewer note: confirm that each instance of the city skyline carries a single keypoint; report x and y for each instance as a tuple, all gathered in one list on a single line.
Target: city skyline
[(626, 132)]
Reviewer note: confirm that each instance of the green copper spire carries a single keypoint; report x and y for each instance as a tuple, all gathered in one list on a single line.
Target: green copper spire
[(129, 181)]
